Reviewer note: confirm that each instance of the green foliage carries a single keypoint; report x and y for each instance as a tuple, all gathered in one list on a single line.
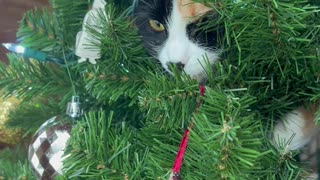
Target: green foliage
[(29, 79), (275, 55), (171, 107), (14, 164), (68, 18), (224, 142), (38, 31), (29, 116), (100, 149), (137, 114), (121, 70)]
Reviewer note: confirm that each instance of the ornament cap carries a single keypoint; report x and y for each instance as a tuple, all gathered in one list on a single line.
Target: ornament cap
[(74, 107)]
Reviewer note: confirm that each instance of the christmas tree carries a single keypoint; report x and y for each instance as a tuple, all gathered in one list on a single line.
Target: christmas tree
[(135, 115)]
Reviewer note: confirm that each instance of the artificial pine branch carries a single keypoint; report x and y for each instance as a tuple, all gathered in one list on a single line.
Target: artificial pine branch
[(121, 70), (37, 30), (272, 66), (28, 79), (29, 116), (169, 102), (269, 66), (14, 164), (102, 150), (68, 18)]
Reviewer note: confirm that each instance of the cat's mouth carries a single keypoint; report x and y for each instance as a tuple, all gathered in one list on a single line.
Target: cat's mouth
[(179, 66), (194, 70)]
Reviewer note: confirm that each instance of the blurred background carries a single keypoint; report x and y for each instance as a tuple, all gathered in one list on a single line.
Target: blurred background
[(11, 12)]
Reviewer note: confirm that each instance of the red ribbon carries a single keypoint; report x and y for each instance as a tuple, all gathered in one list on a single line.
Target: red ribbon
[(184, 141)]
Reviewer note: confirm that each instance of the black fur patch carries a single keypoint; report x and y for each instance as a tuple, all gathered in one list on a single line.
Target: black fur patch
[(146, 10), (203, 34)]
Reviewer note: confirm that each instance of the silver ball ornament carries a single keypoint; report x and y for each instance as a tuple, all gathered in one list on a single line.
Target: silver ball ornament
[(46, 150)]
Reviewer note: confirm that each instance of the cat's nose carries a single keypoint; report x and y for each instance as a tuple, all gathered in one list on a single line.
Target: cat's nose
[(179, 65)]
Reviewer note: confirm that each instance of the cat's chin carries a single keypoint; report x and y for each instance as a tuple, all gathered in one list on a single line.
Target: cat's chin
[(201, 77), (196, 71)]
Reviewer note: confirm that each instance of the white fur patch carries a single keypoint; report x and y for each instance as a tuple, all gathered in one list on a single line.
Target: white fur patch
[(290, 132), (178, 48)]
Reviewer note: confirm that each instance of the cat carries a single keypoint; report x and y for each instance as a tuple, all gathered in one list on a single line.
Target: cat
[(168, 30)]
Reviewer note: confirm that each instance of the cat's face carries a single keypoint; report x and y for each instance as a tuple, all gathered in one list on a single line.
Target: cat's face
[(171, 31)]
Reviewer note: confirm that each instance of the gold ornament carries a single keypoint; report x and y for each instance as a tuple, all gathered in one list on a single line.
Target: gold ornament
[(8, 136)]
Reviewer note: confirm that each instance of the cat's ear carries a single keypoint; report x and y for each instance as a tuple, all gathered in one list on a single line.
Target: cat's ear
[(190, 9)]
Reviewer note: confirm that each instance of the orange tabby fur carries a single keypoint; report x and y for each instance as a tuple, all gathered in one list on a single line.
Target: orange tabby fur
[(190, 9), (309, 115)]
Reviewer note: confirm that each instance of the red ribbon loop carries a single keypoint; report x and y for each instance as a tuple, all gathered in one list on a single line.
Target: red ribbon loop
[(184, 141)]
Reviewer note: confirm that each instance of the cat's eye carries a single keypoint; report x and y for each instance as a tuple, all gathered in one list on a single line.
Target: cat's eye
[(156, 25)]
